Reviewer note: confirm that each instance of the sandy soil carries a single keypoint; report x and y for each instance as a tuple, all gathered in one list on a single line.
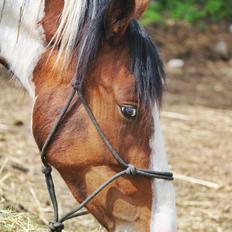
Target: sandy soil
[(197, 123)]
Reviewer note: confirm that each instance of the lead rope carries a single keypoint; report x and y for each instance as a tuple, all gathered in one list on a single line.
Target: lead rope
[(130, 170)]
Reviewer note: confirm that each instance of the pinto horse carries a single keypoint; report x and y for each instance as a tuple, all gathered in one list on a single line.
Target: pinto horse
[(100, 45)]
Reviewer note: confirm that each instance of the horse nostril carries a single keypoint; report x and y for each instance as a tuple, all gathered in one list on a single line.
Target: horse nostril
[(125, 211)]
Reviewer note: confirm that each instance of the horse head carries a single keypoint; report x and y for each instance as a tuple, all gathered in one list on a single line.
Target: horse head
[(100, 44)]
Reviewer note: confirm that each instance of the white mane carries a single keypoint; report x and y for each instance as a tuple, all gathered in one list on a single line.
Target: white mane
[(70, 22), (21, 34)]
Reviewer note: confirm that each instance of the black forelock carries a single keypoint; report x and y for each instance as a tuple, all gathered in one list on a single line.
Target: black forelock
[(146, 64)]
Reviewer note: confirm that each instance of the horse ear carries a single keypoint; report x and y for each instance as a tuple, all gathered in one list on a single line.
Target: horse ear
[(120, 14)]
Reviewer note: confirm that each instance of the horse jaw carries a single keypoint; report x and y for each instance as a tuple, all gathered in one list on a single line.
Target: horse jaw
[(163, 217)]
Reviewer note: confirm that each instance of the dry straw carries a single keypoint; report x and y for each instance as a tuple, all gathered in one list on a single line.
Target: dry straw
[(12, 221)]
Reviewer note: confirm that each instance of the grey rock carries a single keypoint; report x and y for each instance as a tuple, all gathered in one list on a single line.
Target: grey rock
[(221, 49), (175, 64), (230, 28)]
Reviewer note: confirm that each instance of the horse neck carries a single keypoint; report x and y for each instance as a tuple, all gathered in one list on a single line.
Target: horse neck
[(21, 40)]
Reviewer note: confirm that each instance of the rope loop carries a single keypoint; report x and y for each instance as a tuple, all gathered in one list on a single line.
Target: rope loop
[(46, 170), (131, 170), (56, 226)]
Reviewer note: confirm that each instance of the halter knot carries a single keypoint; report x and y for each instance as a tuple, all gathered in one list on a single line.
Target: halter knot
[(46, 170), (56, 226), (131, 170), (76, 85)]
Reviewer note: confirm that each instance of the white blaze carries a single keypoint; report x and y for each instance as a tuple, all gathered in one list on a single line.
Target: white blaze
[(163, 203), (22, 44)]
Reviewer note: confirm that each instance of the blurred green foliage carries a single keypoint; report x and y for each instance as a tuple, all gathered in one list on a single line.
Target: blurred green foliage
[(188, 10)]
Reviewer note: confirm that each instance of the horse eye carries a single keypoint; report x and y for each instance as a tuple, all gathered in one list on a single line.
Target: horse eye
[(128, 111)]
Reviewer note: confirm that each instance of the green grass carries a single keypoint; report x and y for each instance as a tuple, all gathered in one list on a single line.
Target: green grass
[(192, 11)]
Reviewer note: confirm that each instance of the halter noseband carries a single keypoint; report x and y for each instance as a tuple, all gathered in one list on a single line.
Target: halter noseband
[(129, 170)]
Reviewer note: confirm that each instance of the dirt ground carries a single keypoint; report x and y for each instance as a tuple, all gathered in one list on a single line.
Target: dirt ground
[(197, 123)]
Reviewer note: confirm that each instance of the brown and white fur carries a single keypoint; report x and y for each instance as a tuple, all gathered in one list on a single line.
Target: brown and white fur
[(129, 204)]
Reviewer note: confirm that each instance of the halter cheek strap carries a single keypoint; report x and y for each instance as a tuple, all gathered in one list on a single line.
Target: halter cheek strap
[(128, 169)]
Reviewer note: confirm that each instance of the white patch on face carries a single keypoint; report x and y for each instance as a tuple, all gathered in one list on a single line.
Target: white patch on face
[(163, 217), (21, 46)]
